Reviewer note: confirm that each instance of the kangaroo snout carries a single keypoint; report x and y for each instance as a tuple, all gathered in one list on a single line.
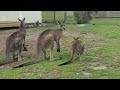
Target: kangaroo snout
[(25, 49), (58, 50)]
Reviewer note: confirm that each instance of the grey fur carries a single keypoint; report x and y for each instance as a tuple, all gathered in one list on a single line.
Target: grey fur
[(77, 48), (16, 41)]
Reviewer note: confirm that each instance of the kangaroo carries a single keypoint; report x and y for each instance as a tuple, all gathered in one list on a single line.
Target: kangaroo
[(22, 28), (44, 41), (36, 23), (57, 33), (77, 48), (15, 43)]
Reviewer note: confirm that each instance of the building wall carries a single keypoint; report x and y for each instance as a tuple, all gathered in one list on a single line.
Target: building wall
[(9, 15), (31, 16)]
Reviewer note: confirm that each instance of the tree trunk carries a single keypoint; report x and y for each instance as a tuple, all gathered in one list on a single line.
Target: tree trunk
[(65, 15), (54, 16)]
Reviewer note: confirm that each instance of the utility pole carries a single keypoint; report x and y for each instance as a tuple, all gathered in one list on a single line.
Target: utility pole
[(20, 14), (65, 15), (54, 15)]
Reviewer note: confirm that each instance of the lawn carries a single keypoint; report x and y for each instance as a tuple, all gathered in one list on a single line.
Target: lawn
[(101, 58), (48, 16)]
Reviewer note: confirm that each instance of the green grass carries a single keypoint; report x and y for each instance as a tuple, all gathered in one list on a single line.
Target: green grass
[(101, 60), (49, 16), (106, 21)]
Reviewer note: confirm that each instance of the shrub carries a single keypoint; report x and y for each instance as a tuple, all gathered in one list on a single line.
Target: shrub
[(83, 17)]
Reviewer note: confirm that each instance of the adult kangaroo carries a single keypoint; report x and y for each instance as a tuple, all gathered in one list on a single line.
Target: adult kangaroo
[(15, 43), (77, 48), (22, 28), (44, 41), (55, 35)]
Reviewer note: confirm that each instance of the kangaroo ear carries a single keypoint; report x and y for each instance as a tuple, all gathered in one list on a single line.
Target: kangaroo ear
[(58, 22), (23, 19), (63, 21), (74, 38), (19, 19), (77, 38)]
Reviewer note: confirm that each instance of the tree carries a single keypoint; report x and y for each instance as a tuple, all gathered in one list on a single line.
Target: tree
[(83, 17)]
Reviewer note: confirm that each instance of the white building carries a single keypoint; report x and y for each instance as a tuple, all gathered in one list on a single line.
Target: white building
[(10, 18)]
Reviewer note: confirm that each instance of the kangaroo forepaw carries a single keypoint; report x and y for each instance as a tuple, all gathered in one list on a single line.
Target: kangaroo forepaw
[(58, 50), (61, 57), (25, 49), (15, 59), (47, 58)]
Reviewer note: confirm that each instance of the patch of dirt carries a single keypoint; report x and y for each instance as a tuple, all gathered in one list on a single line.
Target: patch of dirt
[(72, 33), (94, 43), (6, 66), (103, 77), (95, 64), (54, 72), (33, 71), (26, 73), (101, 41), (86, 72), (98, 66), (31, 39), (90, 34)]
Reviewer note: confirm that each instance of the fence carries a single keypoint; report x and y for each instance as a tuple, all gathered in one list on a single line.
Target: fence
[(108, 14), (51, 16)]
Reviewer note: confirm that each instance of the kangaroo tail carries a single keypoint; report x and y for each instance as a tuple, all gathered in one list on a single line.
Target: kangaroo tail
[(68, 62), (26, 64)]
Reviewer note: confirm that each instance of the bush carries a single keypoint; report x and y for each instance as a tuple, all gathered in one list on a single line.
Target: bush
[(83, 17)]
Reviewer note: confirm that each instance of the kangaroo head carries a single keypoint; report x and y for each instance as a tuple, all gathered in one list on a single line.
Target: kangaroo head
[(76, 38), (37, 22), (61, 24), (22, 22)]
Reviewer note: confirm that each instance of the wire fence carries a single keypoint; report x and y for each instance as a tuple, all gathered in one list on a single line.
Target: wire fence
[(104, 16), (52, 16)]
